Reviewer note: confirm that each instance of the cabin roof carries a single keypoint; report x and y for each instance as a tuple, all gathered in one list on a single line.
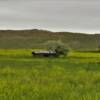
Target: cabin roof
[(47, 52)]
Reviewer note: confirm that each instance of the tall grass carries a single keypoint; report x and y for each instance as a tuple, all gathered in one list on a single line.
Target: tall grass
[(23, 77)]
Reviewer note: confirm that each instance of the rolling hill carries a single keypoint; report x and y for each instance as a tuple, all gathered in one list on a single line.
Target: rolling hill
[(26, 39)]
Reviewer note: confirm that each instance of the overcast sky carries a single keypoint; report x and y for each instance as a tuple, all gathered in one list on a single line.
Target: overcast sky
[(55, 15)]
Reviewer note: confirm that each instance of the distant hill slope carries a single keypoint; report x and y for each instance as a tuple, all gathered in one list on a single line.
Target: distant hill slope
[(37, 38)]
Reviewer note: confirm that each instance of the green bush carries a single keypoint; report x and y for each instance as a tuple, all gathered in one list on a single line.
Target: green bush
[(58, 46)]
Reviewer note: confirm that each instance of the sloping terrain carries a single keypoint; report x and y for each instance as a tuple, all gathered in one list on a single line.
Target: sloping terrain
[(37, 38)]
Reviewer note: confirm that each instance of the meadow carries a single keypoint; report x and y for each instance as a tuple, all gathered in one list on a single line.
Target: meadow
[(74, 77)]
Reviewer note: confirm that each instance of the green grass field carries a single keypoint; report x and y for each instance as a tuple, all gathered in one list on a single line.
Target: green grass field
[(22, 77)]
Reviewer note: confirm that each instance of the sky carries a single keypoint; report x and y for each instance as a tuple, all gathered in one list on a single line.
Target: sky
[(54, 15)]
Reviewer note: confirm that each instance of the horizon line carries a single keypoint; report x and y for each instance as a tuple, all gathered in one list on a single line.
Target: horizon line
[(51, 30)]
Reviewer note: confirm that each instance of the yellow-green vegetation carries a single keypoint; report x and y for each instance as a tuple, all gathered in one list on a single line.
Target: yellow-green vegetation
[(22, 77)]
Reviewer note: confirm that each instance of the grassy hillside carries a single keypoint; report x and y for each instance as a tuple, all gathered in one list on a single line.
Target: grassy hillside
[(22, 77), (37, 39)]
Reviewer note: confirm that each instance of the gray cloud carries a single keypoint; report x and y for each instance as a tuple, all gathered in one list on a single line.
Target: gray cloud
[(71, 15)]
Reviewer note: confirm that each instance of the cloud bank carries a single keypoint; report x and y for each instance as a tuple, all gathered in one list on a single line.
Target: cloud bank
[(69, 15)]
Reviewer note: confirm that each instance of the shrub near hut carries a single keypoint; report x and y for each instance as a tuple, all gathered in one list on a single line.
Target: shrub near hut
[(59, 47)]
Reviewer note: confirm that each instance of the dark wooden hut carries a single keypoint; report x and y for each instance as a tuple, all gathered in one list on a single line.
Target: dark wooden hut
[(44, 53)]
